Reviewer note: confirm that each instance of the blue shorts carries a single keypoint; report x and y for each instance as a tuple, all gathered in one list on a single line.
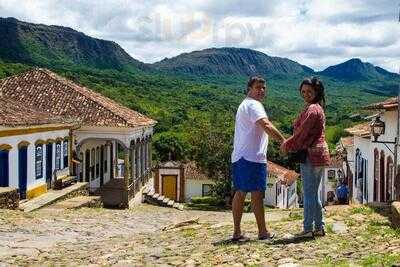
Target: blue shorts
[(249, 176)]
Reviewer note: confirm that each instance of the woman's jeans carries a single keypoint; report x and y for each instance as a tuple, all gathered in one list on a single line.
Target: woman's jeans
[(312, 177)]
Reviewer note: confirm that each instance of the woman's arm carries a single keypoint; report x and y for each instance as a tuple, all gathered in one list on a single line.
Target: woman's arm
[(305, 134)]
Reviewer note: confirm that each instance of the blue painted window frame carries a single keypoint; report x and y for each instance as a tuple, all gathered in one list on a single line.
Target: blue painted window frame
[(39, 161)]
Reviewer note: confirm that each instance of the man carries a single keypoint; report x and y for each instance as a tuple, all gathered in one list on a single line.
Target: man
[(249, 159)]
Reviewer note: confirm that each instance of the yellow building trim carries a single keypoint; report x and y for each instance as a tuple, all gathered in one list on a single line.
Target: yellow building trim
[(33, 129), (5, 147), (23, 144), (40, 142), (36, 191), (59, 139), (48, 141)]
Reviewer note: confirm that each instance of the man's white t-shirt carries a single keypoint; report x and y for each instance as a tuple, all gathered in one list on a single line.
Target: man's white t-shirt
[(250, 141)]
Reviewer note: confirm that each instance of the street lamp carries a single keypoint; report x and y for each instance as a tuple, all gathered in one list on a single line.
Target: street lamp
[(377, 128)]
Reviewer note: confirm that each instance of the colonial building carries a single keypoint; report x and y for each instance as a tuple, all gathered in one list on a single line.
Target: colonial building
[(281, 189), (333, 175), (373, 163), (104, 131), (30, 142), (181, 181)]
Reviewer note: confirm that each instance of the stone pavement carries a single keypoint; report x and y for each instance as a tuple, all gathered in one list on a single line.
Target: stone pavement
[(135, 237)]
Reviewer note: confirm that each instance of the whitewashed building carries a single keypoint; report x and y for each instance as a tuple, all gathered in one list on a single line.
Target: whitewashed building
[(373, 163), (181, 181), (333, 175), (281, 189), (102, 130), (30, 142)]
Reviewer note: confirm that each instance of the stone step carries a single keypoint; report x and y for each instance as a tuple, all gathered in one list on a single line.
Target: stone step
[(156, 195), (178, 206), (161, 198), (78, 202), (395, 216), (51, 197)]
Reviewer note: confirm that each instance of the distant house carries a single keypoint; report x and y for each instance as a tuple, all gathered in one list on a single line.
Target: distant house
[(89, 147), (281, 189), (181, 181), (372, 164), (333, 174)]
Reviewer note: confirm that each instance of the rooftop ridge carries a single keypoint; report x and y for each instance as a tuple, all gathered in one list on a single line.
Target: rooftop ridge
[(89, 94)]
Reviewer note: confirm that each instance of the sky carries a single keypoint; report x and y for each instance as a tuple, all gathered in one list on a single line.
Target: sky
[(316, 33)]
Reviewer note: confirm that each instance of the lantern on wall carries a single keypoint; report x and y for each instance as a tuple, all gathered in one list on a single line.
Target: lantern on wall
[(377, 128)]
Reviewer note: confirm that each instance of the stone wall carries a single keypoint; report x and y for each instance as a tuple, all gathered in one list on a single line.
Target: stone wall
[(9, 198)]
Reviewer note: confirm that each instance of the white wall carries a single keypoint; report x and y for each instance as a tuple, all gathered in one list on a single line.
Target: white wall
[(194, 188), (328, 184), (281, 200), (13, 155), (94, 184), (270, 195)]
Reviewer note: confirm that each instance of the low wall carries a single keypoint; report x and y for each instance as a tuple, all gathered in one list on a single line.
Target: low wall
[(9, 198)]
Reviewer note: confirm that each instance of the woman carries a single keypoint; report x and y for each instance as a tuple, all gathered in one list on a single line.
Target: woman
[(309, 137)]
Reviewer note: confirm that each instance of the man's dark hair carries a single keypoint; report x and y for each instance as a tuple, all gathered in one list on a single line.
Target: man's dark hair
[(252, 81), (319, 90)]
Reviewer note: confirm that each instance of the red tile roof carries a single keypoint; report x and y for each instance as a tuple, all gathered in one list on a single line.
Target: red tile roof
[(48, 92), (390, 103), (193, 172), (347, 141), (13, 114), (361, 130), (285, 175)]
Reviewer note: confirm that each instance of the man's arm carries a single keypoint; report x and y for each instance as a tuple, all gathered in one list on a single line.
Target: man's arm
[(270, 129)]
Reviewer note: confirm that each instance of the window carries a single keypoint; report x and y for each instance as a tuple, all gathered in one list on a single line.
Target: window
[(97, 162), (39, 161), (331, 174), (58, 155), (81, 167), (206, 189), (92, 163), (65, 153)]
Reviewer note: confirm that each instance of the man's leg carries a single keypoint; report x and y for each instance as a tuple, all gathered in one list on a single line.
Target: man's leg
[(258, 209), (237, 211)]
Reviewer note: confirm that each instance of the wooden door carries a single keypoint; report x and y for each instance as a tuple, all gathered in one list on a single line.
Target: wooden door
[(169, 186), (3, 168)]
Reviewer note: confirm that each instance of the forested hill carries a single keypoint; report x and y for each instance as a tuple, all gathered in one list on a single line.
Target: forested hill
[(51, 46)]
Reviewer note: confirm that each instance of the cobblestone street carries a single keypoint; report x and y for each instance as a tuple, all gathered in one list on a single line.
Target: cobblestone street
[(356, 235)]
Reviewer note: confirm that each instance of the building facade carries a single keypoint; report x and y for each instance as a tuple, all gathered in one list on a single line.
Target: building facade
[(103, 132), (372, 164)]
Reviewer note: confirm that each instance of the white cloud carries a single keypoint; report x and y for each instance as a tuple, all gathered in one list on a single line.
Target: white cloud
[(313, 32)]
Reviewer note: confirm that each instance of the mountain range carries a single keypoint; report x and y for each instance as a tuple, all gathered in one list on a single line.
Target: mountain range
[(57, 46)]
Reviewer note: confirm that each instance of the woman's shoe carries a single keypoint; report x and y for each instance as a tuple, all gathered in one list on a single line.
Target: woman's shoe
[(305, 234), (320, 232)]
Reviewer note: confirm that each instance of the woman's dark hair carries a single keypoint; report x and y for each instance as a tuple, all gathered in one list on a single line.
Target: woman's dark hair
[(252, 81), (319, 90)]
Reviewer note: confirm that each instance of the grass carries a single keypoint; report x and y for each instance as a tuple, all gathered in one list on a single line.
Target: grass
[(381, 260), (362, 210)]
